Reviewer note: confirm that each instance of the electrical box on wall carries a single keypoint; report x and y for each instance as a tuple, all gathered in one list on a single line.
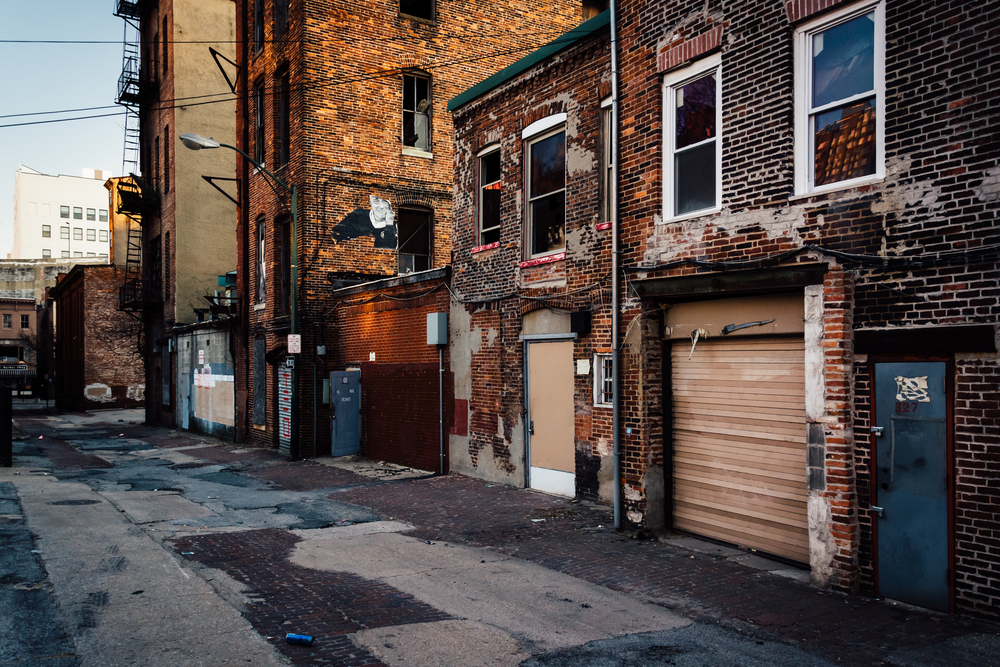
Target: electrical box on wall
[(437, 328)]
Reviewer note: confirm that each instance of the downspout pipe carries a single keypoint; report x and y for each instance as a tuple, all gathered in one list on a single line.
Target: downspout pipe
[(615, 393)]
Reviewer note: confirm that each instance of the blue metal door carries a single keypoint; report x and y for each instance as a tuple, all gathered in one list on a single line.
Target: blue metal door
[(911, 477), (345, 412)]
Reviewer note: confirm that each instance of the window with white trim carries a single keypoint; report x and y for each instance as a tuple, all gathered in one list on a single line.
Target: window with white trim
[(692, 102), (547, 192), (46, 231), (103, 235), (840, 93), (489, 197), (603, 379)]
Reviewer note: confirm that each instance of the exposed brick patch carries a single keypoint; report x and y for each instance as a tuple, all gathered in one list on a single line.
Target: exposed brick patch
[(330, 606), (801, 9), (64, 455), (678, 53), (305, 476)]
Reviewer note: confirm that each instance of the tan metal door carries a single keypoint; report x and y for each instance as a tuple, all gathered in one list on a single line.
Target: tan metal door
[(550, 417), (739, 443)]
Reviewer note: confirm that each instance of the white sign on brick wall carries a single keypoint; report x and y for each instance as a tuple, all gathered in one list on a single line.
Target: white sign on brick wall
[(295, 343)]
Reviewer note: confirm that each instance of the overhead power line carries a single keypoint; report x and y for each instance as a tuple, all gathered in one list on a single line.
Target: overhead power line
[(323, 82)]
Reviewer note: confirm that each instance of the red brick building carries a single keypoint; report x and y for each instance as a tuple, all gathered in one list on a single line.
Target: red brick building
[(347, 103), (97, 348), (808, 217), (530, 331)]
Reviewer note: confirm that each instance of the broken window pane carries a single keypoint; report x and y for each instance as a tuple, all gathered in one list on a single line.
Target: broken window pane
[(416, 112)]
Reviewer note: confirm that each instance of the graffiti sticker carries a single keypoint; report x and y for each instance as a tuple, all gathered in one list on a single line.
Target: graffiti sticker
[(913, 390)]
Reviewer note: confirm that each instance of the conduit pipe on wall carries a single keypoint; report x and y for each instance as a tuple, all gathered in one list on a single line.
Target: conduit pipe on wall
[(615, 394)]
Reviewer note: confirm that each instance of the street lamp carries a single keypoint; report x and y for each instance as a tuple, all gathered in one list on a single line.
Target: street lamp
[(197, 142)]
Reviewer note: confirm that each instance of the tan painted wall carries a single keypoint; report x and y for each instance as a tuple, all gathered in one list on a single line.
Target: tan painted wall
[(205, 234)]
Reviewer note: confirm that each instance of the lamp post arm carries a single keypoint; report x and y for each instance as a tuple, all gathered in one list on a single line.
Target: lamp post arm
[(258, 165)]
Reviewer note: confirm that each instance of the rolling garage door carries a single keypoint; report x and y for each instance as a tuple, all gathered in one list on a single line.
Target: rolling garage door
[(739, 443)]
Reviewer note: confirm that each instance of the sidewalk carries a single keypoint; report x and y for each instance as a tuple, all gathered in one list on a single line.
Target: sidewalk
[(756, 598)]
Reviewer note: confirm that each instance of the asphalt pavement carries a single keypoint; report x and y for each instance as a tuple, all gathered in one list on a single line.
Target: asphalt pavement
[(133, 545)]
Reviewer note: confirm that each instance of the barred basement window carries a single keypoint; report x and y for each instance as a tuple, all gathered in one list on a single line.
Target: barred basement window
[(603, 379)]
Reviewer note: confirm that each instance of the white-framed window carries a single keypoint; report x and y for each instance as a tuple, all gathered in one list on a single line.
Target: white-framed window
[(46, 231), (546, 186), (77, 254), (103, 236), (603, 379), (102, 215), (489, 195), (64, 212), (46, 253), (417, 113), (64, 232), (607, 162), (78, 233), (840, 98), (91, 234), (64, 253), (91, 214), (78, 213), (692, 103)]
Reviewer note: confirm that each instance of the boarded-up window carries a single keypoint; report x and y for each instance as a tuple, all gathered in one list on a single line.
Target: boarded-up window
[(259, 381)]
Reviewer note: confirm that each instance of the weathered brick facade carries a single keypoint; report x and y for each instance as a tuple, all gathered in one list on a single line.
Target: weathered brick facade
[(336, 73), (908, 253), (503, 290), (97, 348)]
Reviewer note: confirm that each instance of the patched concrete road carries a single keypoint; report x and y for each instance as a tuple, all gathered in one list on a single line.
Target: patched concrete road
[(135, 546)]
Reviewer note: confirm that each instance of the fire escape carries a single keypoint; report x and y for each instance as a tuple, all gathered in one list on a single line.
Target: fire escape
[(137, 196)]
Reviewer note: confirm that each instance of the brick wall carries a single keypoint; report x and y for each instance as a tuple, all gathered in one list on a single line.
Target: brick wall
[(346, 65), (496, 288), (381, 328), (933, 218)]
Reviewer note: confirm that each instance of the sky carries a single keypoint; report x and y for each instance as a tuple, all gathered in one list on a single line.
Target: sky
[(55, 77)]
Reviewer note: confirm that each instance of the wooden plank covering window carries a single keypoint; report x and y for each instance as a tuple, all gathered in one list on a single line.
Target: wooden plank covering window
[(739, 446)]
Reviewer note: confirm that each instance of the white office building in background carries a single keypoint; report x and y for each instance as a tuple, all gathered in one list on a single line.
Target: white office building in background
[(61, 216)]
